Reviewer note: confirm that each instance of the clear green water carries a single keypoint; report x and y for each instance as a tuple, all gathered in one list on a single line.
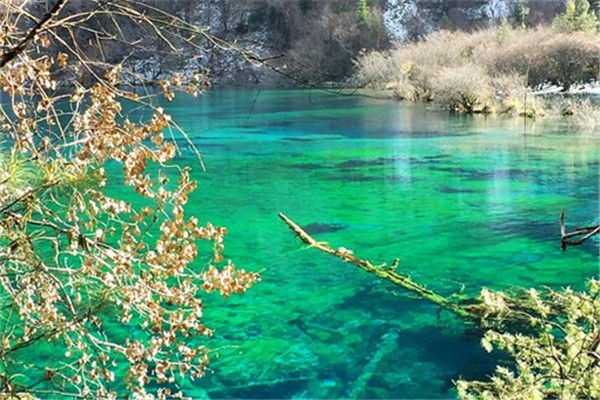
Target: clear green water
[(460, 200)]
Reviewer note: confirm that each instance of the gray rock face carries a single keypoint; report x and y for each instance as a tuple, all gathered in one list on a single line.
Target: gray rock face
[(406, 18), (412, 19), (233, 21)]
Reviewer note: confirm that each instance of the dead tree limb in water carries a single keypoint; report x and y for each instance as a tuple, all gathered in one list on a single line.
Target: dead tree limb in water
[(382, 271), (518, 318), (516, 309), (576, 237), (469, 311)]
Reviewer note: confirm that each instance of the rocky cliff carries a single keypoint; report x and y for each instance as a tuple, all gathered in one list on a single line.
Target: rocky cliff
[(316, 41), (412, 19)]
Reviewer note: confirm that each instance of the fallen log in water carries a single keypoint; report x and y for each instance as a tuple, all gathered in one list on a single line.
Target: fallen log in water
[(491, 308), (516, 321), (383, 271)]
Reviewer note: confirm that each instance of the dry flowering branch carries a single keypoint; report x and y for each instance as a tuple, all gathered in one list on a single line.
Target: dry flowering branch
[(80, 266)]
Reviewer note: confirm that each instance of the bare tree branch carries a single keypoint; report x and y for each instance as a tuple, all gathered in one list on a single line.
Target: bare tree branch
[(583, 233), (19, 48)]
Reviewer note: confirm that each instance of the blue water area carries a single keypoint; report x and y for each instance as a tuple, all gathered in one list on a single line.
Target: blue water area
[(462, 201)]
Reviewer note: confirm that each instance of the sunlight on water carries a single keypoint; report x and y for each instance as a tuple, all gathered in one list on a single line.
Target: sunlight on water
[(468, 201)]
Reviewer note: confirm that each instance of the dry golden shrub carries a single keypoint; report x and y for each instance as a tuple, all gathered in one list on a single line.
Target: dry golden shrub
[(483, 63), (464, 88)]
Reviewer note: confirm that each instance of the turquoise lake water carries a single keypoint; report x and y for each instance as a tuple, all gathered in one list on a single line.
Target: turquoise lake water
[(470, 201)]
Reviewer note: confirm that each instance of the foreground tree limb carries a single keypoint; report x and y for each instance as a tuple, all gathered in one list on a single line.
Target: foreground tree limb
[(22, 45), (100, 289)]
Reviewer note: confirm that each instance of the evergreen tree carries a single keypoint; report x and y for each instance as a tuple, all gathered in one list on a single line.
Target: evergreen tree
[(363, 12), (577, 17), (521, 13)]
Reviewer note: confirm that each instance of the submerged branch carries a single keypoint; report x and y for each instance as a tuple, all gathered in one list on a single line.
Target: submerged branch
[(519, 322)]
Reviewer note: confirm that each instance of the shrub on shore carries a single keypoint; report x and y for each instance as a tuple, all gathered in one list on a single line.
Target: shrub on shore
[(484, 71), (464, 88)]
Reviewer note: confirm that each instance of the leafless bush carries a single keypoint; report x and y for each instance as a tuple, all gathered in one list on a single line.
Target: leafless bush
[(464, 88), (547, 57), (580, 113)]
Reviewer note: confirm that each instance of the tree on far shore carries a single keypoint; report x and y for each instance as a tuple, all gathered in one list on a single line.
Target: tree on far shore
[(578, 16)]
